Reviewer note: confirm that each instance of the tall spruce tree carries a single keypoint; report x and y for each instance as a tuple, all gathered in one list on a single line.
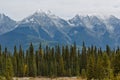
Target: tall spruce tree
[(32, 63), (20, 63), (90, 68), (15, 61), (9, 69), (83, 57)]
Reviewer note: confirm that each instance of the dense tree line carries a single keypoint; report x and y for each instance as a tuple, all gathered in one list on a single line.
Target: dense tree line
[(88, 62)]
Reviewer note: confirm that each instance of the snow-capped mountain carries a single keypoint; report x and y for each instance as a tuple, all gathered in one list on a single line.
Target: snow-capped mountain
[(37, 28), (93, 24), (49, 24), (50, 29), (96, 30), (6, 24)]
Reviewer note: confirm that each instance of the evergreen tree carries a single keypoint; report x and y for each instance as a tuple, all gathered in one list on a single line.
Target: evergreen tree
[(15, 61), (39, 59), (20, 63), (61, 67), (99, 68), (67, 61), (32, 63), (83, 57), (116, 63), (9, 69), (106, 65), (108, 51), (90, 68), (26, 60)]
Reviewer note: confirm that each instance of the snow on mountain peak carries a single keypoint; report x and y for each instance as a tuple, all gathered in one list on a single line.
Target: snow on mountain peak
[(39, 11), (45, 13)]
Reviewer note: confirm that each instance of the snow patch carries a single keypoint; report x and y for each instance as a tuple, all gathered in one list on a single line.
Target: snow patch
[(75, 32)]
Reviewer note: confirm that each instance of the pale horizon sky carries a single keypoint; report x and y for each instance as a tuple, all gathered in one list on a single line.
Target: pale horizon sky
[(19, 9)]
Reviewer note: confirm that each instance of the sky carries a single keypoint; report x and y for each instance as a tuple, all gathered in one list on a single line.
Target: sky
[(19, 9)]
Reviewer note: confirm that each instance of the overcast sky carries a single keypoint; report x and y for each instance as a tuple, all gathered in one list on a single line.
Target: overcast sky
[(18, 9)]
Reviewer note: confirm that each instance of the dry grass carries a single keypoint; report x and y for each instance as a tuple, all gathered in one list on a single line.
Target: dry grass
[(43, 78)]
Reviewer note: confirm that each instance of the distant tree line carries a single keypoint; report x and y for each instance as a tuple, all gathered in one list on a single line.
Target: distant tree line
[(88, 62)]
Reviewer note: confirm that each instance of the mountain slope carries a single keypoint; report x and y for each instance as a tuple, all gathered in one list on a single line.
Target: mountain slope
[(50, 29), (6, 24), (94, 30), (39, 27)]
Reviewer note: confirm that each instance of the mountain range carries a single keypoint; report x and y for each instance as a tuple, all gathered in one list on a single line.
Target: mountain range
[(49, 29)]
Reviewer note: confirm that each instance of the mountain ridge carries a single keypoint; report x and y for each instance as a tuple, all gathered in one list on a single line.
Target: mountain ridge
[(6, 24), (51, 29)]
